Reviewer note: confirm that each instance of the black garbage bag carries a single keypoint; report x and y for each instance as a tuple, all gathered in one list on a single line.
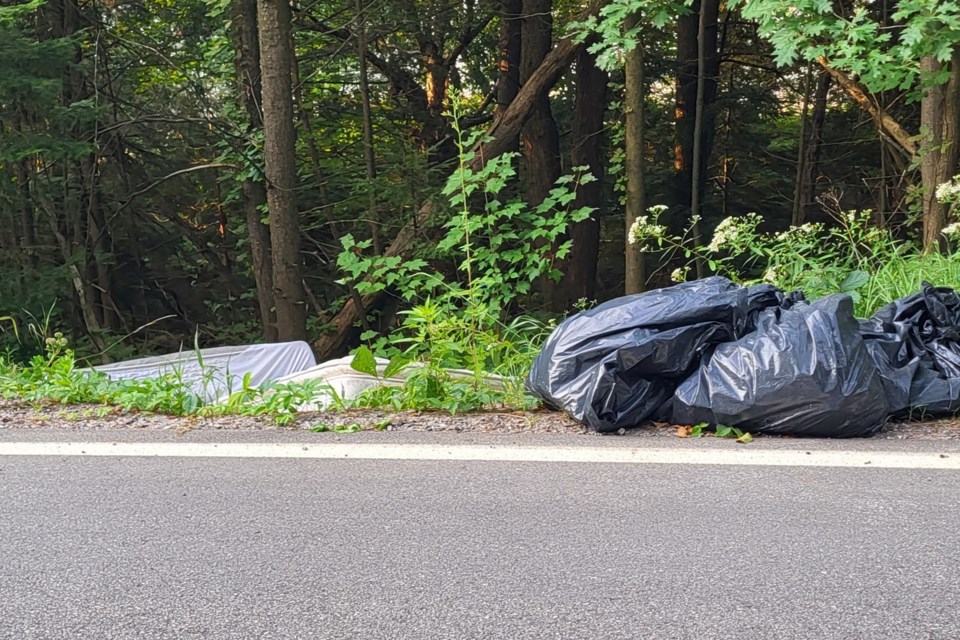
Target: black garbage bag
[(612, 367), (804, 371), (915, 343)]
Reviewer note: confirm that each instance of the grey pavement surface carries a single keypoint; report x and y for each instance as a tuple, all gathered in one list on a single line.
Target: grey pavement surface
[(239, 548), (920, 445)]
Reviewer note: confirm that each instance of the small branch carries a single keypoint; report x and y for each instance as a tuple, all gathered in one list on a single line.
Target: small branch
[(469, 34), (179, 172)]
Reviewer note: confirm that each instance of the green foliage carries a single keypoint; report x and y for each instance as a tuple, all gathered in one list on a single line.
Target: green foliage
[(347, 428), (720, 431), (884, 57), (854, 256), (281, 401), (500, 248), (426, 388), (607, 27), (55, 377)]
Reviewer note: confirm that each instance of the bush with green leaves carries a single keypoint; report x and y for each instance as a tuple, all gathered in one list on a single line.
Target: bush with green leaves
[(500, 248), (853, 256)]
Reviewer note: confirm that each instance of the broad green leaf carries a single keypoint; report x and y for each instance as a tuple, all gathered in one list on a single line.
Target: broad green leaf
[(397, 364), (364, 362)]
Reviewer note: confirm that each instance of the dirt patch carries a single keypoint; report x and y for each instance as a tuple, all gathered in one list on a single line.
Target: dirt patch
[(15, 415)]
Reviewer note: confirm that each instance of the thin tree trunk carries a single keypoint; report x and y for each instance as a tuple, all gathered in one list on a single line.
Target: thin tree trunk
[(540, 138), (253, 194), (815, 144), (368, 154), (303, 114), (726, 159), (276, 62), (64, 19), (634, 96), (939, 113), (28, 240), (799, 189), (697, 177), (508, 82), (697, 39), (580, 266)]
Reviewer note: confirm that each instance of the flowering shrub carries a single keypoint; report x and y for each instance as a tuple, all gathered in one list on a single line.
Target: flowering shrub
[(949, 192), (813, 257), (735, 234)]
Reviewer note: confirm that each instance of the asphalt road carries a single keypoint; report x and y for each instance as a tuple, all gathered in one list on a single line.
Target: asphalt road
[(173, 547)]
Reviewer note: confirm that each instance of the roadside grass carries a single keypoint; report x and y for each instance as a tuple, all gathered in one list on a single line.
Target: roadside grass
[(56, 378)]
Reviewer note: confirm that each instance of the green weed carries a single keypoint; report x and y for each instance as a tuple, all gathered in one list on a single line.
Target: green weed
[(500, 247)]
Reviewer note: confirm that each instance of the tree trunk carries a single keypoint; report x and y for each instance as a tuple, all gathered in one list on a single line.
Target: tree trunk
[(814, 146), (253, 194), (939, 125), (508, 82), (580, 266), (77, 180), (368, 155), (799, 188), (276, 62), (540, 138), (689, 45), (496, 141), (28, 240), (634, 96), (698, 168)]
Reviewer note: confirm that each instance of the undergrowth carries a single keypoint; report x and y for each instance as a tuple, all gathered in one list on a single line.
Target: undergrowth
[(501, 247), (873, 264)]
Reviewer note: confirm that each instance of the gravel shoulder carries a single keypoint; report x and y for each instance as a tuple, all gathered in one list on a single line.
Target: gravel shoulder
[(16, 416)]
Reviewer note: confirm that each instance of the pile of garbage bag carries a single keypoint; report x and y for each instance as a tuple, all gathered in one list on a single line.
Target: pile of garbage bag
[(766, 361)]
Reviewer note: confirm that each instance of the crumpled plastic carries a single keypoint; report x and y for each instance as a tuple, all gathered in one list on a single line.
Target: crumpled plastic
[(915, 343), (713, 352), (803, 371), (612, 367)]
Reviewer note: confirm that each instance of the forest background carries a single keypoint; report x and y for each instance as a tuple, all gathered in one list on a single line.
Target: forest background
[(388, 172)]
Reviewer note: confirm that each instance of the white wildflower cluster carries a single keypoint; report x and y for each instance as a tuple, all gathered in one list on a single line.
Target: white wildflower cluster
[(644, 230), (771, 275), (680, 275), (952, 231), (854, 219), (949, 192), (805, 232), (734, 232)]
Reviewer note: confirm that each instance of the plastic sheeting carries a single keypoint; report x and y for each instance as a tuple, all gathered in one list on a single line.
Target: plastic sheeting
[(803, 371), (346, 383), (614, 366), (213, 373), (915, 343)]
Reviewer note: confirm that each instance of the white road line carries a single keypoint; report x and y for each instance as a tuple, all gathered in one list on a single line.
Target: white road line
[(743, 456)]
